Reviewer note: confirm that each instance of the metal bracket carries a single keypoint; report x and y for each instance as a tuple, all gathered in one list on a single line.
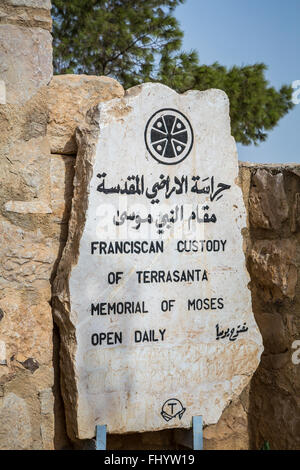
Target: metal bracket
[(184, 437), (191, 438), (197, 433), (101, 437)]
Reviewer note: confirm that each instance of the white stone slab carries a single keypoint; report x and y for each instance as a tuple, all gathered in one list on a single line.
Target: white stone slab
[(202, 344)]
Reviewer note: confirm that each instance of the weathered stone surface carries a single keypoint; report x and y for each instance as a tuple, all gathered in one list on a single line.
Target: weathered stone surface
[(2, 92), (273, 412), (231, 432), (26, 332), (31, 340), (275, 336), (31, 3), (28, 252), (70, 97), (3, 356), (21, 124), (25, 16), (28, 207), (295, 226), (47, 402), (268, 205), (27, 256), (62, 174), (47, 411), (27, 259), (111, 386), (28, 163), (25, 61), (273, 267), (15, 429)]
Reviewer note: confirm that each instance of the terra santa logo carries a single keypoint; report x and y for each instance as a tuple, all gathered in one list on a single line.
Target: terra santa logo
[(172, 408), (169, 136)]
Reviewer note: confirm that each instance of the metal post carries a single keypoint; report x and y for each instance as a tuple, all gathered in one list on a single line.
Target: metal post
[(197, 433), (101, 437)]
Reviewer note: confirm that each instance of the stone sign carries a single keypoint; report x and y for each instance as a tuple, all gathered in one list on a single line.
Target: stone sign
[(151, 294)]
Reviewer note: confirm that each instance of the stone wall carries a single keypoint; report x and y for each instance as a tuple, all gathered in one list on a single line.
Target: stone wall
[(272, 196), (27, 249), (37, 158)]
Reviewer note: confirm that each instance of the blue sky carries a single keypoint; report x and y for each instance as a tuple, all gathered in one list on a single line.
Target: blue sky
[(241, 32)]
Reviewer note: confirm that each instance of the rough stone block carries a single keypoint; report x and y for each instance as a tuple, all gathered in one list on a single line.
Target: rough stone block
[(45, 4), (268, 205), (15, 429), (25, 61), (273, 268), (28, 257), (62, 174), (70, 97)]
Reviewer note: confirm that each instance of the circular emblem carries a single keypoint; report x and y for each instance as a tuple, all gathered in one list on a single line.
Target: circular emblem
[(169, 136), (172, 408)]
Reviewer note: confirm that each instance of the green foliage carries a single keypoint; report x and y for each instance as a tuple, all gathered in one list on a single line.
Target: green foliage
[(266, 446), (119, 38), (139, 41), (255, 107)]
